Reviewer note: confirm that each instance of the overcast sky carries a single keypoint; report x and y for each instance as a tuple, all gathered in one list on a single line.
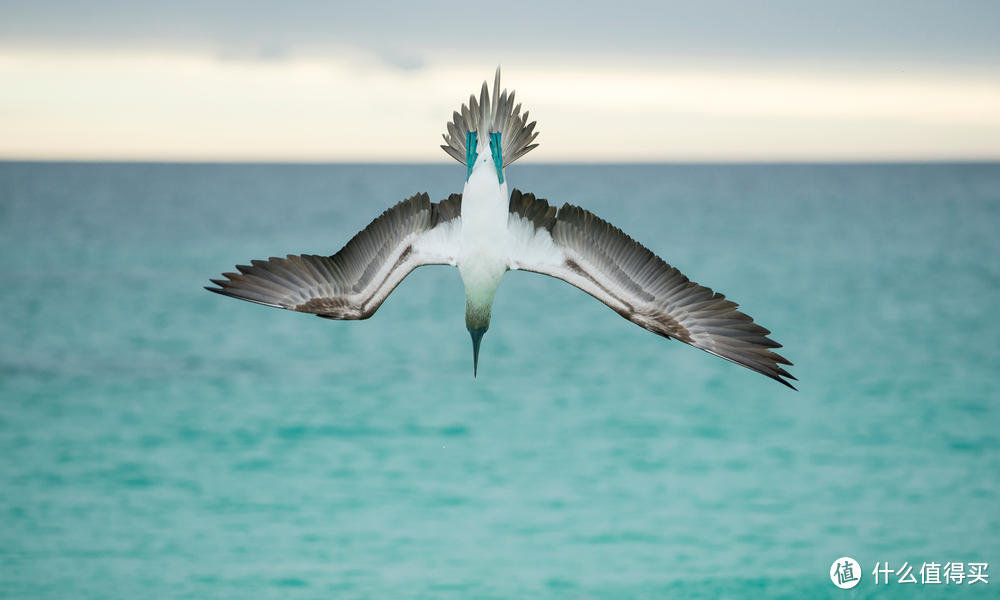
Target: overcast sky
[(726, 80)]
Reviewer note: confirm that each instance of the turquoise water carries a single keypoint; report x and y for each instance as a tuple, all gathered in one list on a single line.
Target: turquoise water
[(160, 441)]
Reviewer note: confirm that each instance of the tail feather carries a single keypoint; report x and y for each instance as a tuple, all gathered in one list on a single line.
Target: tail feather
[(492, 112)]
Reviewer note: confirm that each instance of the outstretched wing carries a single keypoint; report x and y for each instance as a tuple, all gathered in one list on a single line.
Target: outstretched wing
[(600, 259), (354, 282)]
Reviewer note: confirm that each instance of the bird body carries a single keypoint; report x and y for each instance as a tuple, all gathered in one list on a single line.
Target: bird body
[(483, 253), (486, 231)]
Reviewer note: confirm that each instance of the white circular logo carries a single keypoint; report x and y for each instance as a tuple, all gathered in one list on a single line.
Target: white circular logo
[(845, 572)]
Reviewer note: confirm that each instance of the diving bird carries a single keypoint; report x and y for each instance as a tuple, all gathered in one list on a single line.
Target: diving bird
[(485, 232)]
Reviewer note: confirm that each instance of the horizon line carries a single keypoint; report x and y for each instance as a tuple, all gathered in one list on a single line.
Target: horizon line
[(678, 162)]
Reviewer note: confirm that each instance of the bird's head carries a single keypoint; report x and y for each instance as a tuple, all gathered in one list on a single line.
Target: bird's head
[(477, 323)]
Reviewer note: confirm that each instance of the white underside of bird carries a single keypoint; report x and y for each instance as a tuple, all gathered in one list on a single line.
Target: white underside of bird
[(487, 231), (482, 246)]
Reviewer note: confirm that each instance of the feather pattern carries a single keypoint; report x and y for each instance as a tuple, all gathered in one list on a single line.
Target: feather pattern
[(576, 246), (354, 282), (492, 112)]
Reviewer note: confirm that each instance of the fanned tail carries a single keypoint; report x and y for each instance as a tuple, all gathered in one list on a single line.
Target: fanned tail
[(494, 113)]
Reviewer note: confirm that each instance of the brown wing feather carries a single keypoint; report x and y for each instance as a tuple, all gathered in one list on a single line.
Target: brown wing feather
[(354, 282), (603, 261)]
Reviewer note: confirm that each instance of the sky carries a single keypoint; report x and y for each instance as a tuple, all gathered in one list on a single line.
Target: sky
[(646, 81)]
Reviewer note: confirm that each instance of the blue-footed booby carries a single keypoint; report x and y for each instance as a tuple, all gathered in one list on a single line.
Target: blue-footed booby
[(485, 232)]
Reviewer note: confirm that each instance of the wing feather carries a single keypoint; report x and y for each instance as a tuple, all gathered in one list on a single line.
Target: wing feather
[(576, 246), (354, 282)]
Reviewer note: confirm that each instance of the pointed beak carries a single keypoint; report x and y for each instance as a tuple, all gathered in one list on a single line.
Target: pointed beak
[(477, 337)]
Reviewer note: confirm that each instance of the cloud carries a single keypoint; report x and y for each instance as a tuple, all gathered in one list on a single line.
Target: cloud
[(629, 80), (167, 105), (404, 61), (850, 34)]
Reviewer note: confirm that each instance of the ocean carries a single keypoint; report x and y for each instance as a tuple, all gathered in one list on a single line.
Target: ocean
[(159, 441)]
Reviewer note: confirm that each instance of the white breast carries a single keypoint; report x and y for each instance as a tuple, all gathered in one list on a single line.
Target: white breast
[(483, 256)]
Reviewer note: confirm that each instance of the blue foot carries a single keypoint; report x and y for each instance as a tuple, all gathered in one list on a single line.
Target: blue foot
[(471, 154), (495, 150)]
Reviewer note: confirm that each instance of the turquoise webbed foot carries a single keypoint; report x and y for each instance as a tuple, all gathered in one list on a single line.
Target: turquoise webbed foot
[(471, 154), (495, 150)]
